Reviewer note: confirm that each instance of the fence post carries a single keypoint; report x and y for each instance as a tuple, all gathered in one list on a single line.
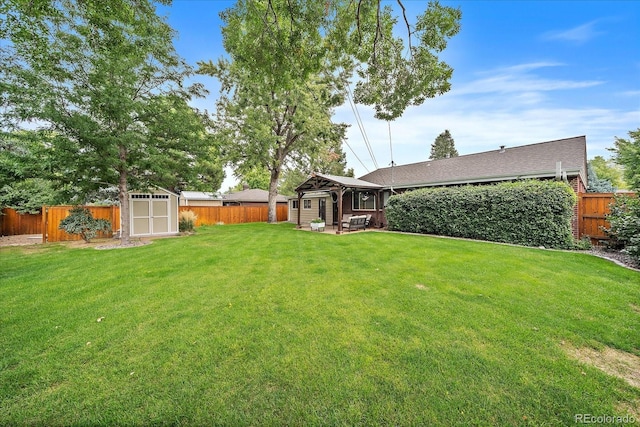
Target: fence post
[(45, 216)]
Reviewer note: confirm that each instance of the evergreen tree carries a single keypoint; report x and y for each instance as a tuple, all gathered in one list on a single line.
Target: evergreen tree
[(443, 147)]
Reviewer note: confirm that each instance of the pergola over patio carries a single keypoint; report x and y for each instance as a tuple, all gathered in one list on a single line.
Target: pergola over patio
[(338, 185)]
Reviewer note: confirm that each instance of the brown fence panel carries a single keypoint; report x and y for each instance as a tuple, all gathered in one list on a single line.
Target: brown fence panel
[(593, 208), (12, 223), (52, 215), (209, 215), (282, 212)]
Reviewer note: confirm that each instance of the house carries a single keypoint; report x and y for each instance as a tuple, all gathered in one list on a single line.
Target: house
[(153, 213), (563, 159), (251, 197), (199, 198)]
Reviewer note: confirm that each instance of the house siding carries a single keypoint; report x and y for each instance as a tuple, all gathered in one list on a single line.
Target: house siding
[(307, 215)]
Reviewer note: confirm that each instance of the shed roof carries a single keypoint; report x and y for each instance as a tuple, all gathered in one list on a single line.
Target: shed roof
[(528, 161)]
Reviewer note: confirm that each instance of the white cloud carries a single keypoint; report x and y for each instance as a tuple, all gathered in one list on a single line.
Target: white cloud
[(631, 93), (519, 78), (580, 34)]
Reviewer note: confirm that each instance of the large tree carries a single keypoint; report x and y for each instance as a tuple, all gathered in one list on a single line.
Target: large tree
[(104, 79), (25, 173), (443, 147), (627, 154), (290, 61)]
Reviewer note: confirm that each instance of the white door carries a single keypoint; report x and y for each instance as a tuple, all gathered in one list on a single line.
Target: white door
[(149, 214), (140, 215), (159, 216)]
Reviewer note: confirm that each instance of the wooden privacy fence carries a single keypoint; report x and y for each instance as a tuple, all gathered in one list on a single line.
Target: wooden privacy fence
[(209, 215), (12, 223), (47, 223), (592, 210), (52, 215)]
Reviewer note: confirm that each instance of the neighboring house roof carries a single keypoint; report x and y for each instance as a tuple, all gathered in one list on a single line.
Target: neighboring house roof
[(252, 196), (527, 161), (199, 195), (319, 181)]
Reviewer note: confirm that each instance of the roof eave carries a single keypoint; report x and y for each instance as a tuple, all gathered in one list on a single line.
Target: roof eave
[(498, 178)]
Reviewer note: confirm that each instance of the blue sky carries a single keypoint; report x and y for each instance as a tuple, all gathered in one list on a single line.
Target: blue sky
[(524, 72)]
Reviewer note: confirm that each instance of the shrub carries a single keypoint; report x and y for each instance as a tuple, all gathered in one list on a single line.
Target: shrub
[(187, 221), (80, 221), (532, 213), (624, 218)]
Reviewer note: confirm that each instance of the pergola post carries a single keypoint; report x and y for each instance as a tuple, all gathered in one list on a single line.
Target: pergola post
[(379, 196), (299, 208), (339, 210)]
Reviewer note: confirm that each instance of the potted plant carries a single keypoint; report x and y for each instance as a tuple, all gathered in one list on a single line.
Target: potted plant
[(317, 224)]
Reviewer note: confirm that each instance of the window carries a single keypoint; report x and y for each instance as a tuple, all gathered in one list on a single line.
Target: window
[(306, 204), (364, 200), (294, 204)]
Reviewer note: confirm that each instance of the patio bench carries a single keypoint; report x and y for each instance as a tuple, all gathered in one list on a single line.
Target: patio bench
[(355, 223)]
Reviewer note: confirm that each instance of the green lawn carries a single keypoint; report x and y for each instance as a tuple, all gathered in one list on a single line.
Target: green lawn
[(261, 324)]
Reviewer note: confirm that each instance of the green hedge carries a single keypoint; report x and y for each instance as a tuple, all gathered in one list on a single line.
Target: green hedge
[(532, 213)]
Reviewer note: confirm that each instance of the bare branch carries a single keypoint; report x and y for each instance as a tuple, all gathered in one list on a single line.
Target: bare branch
[(378, 32), (358, 21), (406, 21)]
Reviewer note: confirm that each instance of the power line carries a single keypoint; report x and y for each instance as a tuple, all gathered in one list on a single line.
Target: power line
[(365, 137)]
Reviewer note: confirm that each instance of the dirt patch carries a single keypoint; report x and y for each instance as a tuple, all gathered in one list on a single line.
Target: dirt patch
[(21, 240), (120, 246), (104, 243), (632, 409), (614, 362)]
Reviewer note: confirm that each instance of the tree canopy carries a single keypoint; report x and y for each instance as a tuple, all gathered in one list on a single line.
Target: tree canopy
[(290, 62), (103, 79), (25, 173), (597, 184), (627, 153), (443, 147)]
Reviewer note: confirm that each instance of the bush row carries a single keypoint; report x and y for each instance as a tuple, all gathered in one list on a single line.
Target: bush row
[(532, 213)]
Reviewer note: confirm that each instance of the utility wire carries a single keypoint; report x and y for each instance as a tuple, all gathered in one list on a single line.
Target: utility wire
[(365, 137)]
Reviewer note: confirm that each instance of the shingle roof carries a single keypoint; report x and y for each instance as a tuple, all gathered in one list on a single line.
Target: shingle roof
[(319, 181), (252, 195), (527, 161)]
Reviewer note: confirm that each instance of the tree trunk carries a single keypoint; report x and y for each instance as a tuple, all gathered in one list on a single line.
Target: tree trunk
[(123, 196), (272, 216)]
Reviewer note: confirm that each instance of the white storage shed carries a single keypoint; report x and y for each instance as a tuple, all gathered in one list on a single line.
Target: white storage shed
[(153, 213)]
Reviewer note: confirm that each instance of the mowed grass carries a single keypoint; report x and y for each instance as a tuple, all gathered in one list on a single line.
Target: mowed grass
[(261, 324)]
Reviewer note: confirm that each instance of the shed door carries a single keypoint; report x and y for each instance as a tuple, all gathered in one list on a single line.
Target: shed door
[(149, 214), (160, 214), (140, 214)]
